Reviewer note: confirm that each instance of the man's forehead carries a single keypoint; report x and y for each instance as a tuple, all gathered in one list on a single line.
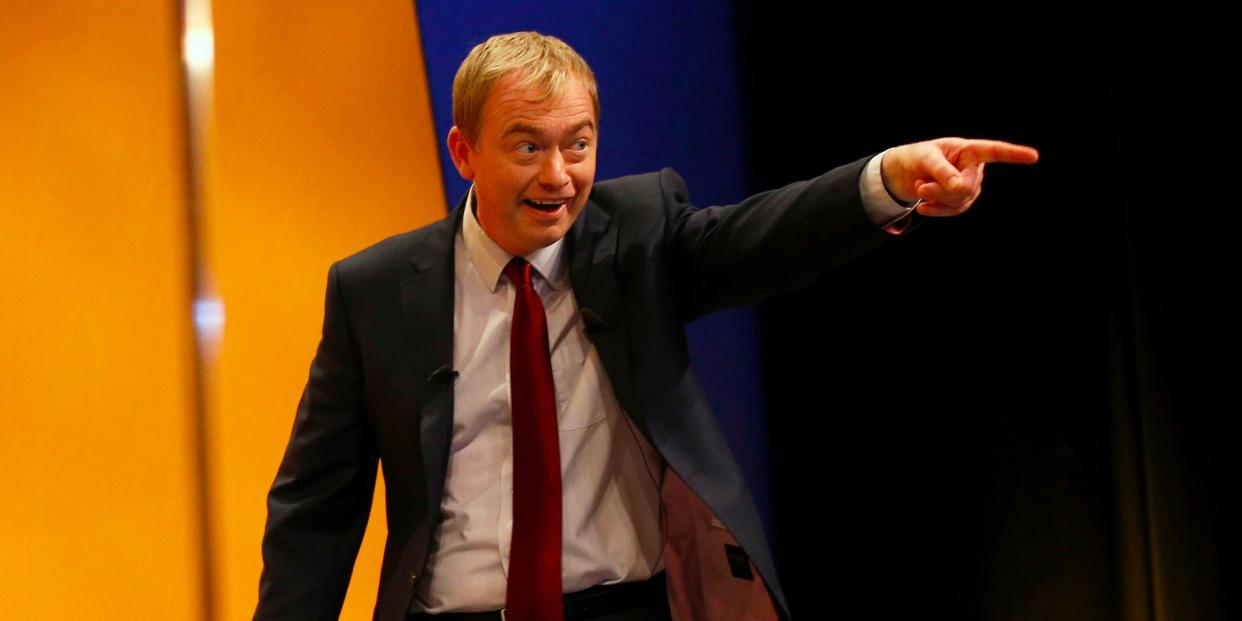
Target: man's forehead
[(510, 89), (521, 107)]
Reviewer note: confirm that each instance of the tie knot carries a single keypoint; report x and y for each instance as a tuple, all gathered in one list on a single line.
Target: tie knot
[(518, 271)]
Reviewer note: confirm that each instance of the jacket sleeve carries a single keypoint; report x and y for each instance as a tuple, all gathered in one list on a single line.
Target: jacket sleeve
[(769, 243), (318, 506)]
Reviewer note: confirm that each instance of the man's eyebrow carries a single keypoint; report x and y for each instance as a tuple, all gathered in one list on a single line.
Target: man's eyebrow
[(583, 125), (524, 128)]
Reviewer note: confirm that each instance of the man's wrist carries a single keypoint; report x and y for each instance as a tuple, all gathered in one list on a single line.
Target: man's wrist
[(888, 186), (878, 201)]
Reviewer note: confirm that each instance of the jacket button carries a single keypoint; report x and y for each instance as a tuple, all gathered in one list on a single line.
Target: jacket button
[(413, 579)]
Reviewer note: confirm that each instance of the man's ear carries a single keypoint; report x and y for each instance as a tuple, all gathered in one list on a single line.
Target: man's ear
[(459, 150)]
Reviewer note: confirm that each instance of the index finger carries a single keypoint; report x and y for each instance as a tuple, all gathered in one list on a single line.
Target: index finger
[(999, 151)]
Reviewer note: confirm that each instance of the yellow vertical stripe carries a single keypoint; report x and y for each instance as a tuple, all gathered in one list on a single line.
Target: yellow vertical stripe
[(95, 371)]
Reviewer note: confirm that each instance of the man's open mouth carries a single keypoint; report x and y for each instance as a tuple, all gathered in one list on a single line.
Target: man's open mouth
[(546, 205)]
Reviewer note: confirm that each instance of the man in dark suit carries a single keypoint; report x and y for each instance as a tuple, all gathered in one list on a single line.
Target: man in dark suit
[(519, 370)]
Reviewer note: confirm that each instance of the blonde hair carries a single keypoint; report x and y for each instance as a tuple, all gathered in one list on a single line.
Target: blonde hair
[(536, 60)]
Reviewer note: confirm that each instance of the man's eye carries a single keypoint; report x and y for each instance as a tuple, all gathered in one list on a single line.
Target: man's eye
[(582, 144), (526, 148)]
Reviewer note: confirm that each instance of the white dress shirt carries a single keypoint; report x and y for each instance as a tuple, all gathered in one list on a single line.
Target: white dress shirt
[(612, 527)]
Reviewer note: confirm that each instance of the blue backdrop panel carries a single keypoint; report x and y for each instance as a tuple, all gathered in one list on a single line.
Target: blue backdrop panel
[(668, 97)]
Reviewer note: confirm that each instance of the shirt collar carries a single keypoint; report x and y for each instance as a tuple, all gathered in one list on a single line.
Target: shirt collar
[(490, 259)]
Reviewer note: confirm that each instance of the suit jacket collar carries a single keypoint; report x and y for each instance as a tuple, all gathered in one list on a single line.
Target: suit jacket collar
[(489, 260), (591, 242), (590, 246), (427, 308)]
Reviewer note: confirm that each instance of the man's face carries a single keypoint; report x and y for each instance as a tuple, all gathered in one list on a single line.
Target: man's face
[(532, 163)]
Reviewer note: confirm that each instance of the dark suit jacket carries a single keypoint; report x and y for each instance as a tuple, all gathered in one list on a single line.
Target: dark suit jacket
[(642, 262)]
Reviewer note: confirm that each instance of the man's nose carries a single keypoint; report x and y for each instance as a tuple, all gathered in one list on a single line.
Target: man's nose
[(552, 173)]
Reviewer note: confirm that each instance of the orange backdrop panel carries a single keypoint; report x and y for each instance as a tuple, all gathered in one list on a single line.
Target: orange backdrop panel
[(95, 371), (322, 144)]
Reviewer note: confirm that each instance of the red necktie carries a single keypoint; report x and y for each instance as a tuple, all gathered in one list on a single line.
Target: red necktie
[(534, 591)]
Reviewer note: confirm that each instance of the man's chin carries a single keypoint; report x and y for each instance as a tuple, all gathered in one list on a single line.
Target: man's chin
[(550, 231), (549, 238)]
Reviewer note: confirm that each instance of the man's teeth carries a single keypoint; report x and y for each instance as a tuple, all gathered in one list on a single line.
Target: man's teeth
[(545, 204)]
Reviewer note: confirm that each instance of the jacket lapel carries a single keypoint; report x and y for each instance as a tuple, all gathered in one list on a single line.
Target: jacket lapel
[(592, 248), (427, 308), (427, 311)]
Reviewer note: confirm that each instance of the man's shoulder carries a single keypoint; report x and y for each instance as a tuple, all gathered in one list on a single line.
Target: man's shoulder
[(652, 189), (395, 256)]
